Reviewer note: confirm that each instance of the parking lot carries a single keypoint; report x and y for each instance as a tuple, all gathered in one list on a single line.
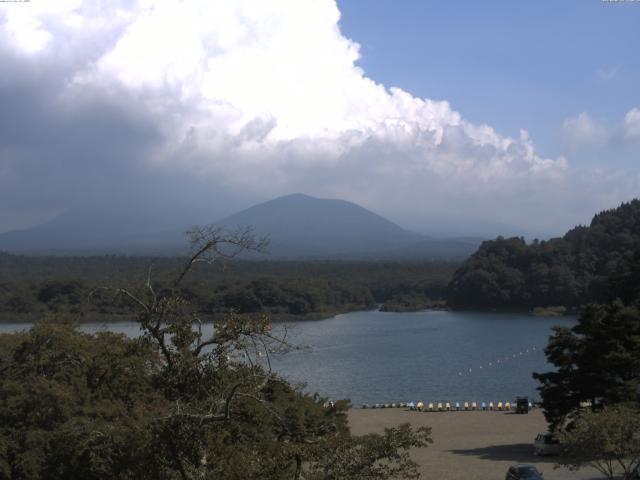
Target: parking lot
[(471, 445)]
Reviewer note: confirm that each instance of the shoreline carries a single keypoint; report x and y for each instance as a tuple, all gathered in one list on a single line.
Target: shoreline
[(80, 318)]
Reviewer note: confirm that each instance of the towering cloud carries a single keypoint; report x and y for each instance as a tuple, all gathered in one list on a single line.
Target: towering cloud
[(137, 96)]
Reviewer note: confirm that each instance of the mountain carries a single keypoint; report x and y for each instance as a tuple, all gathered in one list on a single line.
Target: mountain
[(83, 232), (302, 225), (299, 227), (580, 267)]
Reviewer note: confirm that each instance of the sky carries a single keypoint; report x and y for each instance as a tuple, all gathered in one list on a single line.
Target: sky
[(458, 117)]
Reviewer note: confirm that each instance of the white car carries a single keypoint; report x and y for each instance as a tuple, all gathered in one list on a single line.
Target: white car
[(546, 444)]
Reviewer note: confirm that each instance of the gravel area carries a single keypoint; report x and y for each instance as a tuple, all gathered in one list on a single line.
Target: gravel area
[(471, 445)]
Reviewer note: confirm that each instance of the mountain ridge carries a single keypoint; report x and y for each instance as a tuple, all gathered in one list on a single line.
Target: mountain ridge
[(299, 226)]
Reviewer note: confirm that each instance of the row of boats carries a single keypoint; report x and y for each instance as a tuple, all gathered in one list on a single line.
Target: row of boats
[(454, 406)]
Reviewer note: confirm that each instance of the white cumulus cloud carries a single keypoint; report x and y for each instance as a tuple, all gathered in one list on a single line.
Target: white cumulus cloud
[(632, 123), (267, 96), (583, 131)]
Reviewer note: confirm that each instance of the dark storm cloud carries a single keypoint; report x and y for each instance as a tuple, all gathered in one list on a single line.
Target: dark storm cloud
[(77, 149)]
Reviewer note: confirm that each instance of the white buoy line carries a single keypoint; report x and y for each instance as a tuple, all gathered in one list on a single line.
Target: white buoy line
[(500, 361)]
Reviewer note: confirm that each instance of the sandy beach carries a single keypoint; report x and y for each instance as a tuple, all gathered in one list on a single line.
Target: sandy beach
[(470, 445)]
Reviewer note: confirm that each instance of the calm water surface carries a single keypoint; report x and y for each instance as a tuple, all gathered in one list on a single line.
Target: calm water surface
[(373, 357)]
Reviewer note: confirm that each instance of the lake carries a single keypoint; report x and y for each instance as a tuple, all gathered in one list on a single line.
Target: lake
[(377, 357)]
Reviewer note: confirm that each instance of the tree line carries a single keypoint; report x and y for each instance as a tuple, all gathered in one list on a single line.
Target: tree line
[(571, 271), (34, 286)]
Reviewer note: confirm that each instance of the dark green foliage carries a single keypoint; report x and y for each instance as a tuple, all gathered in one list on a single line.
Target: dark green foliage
[(598, 361), (624, 283), (570, 271), (368, 457), (54, 291), (411, 302), (32, 286), (288, 297), (78, 406), (75, 406)]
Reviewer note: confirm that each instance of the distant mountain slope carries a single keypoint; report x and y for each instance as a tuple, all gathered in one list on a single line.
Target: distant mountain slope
[(302, 225), (83, 232), (572, 270), (299, 227)]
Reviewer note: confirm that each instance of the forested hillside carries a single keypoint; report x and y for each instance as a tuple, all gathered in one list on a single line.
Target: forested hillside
[(572, 270), (33, 286)]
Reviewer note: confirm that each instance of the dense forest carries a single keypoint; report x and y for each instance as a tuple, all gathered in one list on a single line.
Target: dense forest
[(31, 286), (570, 271)]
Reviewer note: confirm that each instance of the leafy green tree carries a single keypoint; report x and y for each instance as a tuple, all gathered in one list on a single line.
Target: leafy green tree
[(625, 281), (371, 456), (76, 406), (597, 361), (608, 441)]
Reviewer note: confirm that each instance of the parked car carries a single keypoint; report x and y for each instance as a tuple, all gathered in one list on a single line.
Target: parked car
[(523, 471), (546, 444)]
